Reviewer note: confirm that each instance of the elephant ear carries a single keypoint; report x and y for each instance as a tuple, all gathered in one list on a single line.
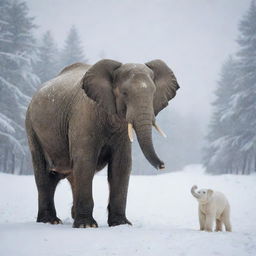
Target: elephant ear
[(97, 84), (166, 84), (209, 194)]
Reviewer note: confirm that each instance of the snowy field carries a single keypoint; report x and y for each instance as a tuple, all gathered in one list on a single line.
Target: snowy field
[(161, 208)]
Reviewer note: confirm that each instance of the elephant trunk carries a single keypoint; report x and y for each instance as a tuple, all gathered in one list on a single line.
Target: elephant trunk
[(193, 192), (143, 129)]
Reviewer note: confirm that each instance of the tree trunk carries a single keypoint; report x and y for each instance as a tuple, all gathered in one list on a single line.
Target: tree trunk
[(12, 163), (22, 165), (5, 160)]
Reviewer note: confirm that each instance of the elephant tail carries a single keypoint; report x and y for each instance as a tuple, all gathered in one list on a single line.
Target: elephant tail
[(38, 158)]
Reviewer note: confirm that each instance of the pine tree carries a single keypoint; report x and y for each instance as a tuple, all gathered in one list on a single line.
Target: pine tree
[(17, 81), (47, 66), (232, 136), (4, 4), (73, 51), (217, 153), (245, 105)]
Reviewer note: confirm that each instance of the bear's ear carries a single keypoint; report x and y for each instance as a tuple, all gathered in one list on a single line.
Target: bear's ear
[(209, 193)]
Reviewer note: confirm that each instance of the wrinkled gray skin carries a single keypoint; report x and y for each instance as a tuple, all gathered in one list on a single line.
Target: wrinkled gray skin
[(77, 124)]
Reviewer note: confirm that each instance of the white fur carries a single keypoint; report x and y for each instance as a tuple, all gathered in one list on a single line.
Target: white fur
[(213, 206)]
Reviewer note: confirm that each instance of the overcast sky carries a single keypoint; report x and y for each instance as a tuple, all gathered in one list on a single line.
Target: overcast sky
[(193, 36)]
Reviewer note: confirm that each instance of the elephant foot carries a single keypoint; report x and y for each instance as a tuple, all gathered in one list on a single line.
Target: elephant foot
[(118, 220), (85, 223), (48, 218)]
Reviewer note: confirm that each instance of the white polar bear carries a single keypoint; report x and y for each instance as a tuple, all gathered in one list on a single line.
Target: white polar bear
[(213, 206)]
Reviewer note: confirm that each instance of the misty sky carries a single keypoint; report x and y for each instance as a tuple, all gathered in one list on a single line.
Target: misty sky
[(193, 37)]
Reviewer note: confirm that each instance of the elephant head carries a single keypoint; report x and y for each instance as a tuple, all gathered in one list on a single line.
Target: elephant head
[(202, 195), (134, 92)]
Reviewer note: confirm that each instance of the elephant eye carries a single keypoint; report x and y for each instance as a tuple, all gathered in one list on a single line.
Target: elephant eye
[(204, 192), (125, 94)]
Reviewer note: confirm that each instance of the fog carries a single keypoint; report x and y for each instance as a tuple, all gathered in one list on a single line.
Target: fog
[(205, 143), (193, 37)]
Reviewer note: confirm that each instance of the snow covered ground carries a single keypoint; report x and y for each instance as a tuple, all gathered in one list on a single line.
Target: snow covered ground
[(163, 212)]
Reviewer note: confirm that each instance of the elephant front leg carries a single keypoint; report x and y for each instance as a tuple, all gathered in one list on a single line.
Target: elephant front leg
[(209, 222), (118, 177), (201, 219), (83, 173)]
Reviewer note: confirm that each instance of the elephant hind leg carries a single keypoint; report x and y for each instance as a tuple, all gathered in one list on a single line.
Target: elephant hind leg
[(218, 225), (46, 181), (226, 219), (70, 178)]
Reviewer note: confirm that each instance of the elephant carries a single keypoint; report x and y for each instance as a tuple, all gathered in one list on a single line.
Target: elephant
[(83, 120), (213, 206)]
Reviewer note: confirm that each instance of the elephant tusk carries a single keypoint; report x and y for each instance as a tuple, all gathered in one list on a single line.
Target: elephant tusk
[(130, 132), (159, 130)]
